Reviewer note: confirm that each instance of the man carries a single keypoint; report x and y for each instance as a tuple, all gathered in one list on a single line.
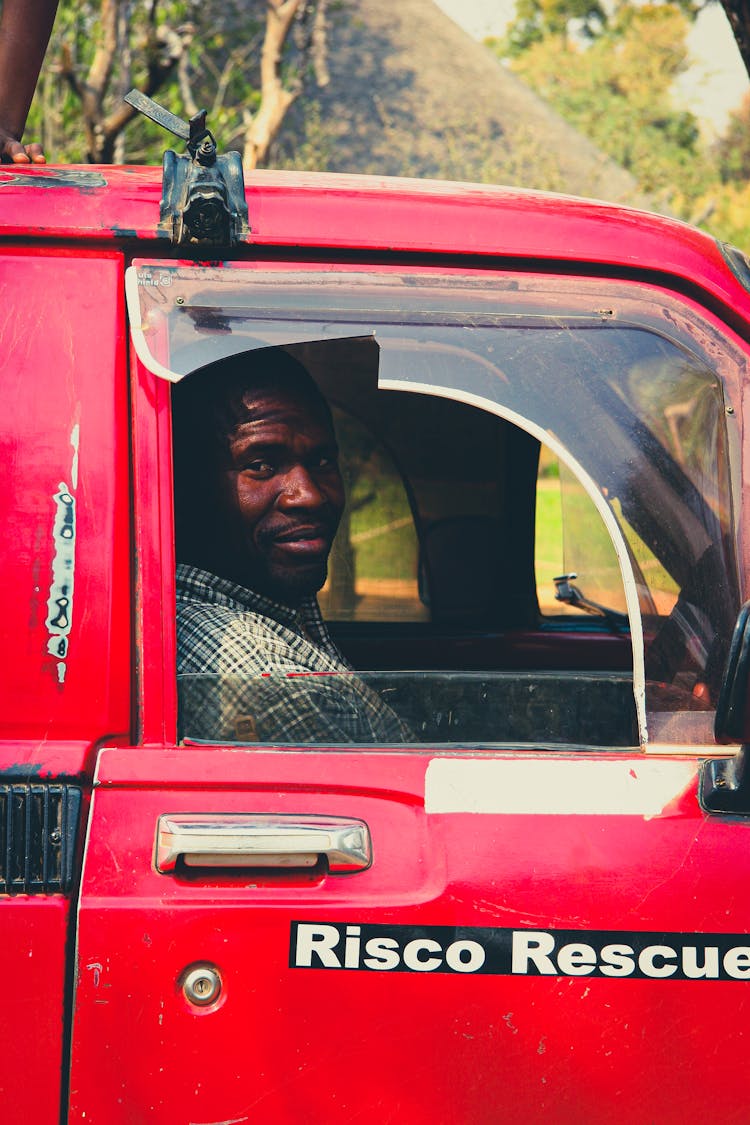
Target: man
[(25, 27), (258, 499)]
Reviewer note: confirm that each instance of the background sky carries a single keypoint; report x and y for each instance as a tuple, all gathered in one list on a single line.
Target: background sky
[(712, 87)]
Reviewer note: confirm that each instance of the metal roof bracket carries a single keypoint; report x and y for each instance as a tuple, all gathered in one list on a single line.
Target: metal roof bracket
[(203, 195)]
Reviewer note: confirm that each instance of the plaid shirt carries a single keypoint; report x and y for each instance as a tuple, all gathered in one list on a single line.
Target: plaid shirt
[(251, 670)]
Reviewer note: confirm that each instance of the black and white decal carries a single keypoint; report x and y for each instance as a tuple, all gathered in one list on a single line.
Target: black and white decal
[(507, 952)]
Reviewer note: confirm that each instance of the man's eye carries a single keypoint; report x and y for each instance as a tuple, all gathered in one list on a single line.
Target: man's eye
[(258, 466), (326, 461)]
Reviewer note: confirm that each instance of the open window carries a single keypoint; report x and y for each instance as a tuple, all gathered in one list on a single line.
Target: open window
[(463, 405)]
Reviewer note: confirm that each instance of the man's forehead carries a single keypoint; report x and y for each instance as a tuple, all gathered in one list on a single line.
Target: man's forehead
[(252, 409)]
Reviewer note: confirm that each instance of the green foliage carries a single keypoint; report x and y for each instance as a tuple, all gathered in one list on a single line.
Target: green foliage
[(723, 210), (578, 21), (610, 75), (615, 88), (54, 117), (733, 149), (538, 19), (219, 72)]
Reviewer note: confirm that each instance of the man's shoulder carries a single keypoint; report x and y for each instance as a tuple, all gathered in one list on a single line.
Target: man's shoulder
[(199, 587), (222, 628), (216, 631)]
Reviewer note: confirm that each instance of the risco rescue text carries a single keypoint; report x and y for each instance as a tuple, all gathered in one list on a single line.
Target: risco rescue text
[(519, 952)]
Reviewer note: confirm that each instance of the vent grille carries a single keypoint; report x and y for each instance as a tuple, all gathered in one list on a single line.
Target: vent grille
[(38, 826)]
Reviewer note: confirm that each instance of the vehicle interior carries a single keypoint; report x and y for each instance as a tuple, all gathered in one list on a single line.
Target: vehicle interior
[(435, 571)]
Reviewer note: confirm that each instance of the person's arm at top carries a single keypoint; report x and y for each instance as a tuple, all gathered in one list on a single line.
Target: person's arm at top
[(25, 28)]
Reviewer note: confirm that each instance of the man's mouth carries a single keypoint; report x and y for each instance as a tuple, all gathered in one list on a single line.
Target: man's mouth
[(308, 539)]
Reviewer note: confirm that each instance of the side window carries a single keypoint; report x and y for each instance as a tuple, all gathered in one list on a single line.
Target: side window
[(429, 590), (658, 591), (573, 546), (455, 530)]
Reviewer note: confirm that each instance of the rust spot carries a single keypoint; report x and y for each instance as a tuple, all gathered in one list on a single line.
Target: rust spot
[(22, 769), (83, 181)]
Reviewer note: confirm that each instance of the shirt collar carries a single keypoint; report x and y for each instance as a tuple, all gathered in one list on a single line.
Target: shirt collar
[(196, 583)]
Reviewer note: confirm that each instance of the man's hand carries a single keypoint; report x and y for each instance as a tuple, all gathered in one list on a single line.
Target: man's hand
[(13, 152), (25, 27)]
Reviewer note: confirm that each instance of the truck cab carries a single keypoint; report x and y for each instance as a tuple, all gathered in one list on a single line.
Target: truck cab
[(531, 907)]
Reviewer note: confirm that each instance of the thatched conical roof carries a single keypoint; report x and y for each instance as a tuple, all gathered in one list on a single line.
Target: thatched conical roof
[(410, 93)]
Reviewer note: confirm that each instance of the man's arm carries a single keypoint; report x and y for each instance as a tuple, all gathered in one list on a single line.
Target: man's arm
[(25, 28)]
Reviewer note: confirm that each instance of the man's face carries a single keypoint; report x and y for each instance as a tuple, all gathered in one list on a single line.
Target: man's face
[(283, 493)]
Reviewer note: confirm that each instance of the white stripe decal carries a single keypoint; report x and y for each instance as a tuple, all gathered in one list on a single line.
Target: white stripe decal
[(534, 786)]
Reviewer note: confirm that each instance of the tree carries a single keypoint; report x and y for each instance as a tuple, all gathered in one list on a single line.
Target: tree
[(277, 91), (614, 85), (733, 148), (246, 62), (536, 20), (738, 14)]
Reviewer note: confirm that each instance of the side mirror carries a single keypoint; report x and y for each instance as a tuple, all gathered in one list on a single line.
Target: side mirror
[(725, 783)]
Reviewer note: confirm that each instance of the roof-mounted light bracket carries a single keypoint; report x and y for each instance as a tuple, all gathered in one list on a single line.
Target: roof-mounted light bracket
[(203, 195)]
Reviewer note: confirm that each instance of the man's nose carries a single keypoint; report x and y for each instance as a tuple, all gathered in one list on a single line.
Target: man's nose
[(300, 490)]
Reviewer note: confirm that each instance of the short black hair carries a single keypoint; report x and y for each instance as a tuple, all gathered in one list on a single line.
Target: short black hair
[(216, 390)]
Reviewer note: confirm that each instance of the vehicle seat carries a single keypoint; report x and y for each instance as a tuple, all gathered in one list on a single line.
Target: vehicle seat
[(461, 569)]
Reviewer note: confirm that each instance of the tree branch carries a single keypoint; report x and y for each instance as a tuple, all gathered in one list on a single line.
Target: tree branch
[(169, 46), (319, 44), (100, 71), (275, 98), (186, 89), (68, 72)]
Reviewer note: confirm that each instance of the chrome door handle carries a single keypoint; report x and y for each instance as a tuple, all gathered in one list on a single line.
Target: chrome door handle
[(260, 840)]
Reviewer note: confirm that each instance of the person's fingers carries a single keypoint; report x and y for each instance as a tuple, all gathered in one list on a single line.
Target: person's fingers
[(11, 150), (35, 153), (16, 152)]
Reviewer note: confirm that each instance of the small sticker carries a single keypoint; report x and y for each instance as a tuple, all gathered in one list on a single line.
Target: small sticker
[(60, 601)]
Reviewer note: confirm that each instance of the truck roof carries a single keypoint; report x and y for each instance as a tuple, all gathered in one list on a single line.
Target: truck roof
[(305, 211)]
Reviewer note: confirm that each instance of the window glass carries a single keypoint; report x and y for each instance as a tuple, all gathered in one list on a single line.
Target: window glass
[(588, 551), (457, 381), (548, 534), (657, 589), (577, 569), (472, 710), (373, 565)]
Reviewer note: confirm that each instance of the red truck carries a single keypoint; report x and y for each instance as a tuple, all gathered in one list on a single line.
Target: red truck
[(533, 911)]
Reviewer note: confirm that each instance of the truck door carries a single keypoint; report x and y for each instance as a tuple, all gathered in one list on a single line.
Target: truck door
[(516, 912), (66, 629)]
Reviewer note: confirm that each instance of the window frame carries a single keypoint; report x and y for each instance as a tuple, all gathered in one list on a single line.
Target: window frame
[(158, 707)]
